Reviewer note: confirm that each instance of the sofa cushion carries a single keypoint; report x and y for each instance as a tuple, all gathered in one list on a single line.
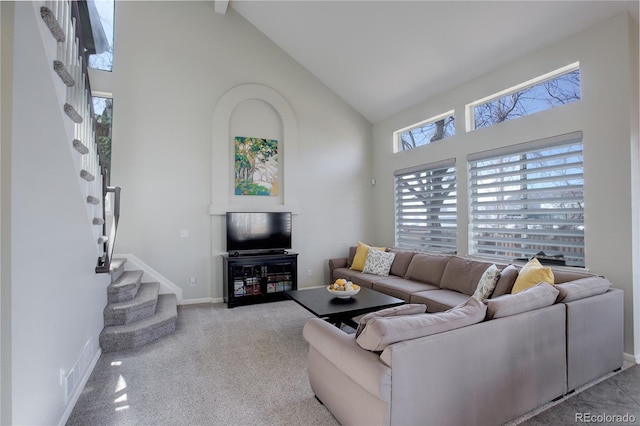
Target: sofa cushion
[(487, 283), (427, 268), (378, 262), (352, 254), (342, 273), (362, 279), (579, 289), (505, 283), (400, 287), (361, 255), (535, 297), (382, 332), (400, 262), (407, 309), (438, 300), (531, 274), (563, 276), (462, 274)]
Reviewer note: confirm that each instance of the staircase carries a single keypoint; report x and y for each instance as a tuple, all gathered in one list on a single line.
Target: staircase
[(69, 63), (136, 314)]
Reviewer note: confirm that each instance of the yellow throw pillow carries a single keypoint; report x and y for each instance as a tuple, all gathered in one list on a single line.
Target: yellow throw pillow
[(361, 256), (531, 274)]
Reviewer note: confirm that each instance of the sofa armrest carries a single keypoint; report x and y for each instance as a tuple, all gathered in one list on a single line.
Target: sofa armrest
[(335, 264), (341, 349), (595, 340)]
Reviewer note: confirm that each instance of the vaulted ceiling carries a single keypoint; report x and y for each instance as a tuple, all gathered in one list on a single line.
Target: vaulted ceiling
[(384, 56)]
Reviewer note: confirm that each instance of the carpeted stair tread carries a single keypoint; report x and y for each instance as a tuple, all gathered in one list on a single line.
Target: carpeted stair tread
[(116, 262), (143, 305), (139, 333), (117, 267), (125, 287)]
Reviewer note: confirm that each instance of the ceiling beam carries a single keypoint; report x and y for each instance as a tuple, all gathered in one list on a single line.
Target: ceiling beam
[(221, 6)]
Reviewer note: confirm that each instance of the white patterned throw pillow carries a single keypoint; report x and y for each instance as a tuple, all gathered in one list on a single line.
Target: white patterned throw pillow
[(487, 283), (378, 262)]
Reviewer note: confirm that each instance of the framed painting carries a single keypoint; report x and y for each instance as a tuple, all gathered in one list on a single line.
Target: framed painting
[(256, 166)]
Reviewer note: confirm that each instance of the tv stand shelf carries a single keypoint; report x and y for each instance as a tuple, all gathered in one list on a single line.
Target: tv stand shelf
[(258, 278)]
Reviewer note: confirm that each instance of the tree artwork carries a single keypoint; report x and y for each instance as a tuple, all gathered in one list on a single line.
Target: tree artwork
[(256, 166)]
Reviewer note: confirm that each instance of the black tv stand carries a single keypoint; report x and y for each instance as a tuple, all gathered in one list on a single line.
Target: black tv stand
[(257, 253), (258, 277)]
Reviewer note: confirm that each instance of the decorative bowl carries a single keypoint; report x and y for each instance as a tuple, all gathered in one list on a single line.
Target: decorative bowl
[(343, 294)]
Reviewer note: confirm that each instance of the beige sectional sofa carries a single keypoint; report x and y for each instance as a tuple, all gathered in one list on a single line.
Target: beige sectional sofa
[(463, 361)]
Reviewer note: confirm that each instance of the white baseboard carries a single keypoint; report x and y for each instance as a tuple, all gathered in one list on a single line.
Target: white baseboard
[(202, 300), (166, 286), (79, 388), (634, 359)]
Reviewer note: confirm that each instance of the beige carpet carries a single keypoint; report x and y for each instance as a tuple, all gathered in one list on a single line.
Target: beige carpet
[(240, 366), (563, 410)]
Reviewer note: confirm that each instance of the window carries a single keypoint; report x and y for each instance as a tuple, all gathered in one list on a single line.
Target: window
[(426, 207), (547, 91), (425, 132), (101, 13), (103, 109), (528, 198)]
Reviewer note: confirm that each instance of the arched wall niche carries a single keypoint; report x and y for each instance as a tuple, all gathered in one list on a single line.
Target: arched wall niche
[(253, 110)]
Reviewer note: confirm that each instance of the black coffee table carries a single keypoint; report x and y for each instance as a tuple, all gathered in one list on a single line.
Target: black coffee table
[(339, 311)]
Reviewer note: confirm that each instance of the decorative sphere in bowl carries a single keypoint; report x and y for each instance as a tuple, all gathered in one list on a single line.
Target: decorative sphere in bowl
[(343, 289)]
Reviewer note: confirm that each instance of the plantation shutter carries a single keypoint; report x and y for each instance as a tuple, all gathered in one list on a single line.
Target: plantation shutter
[(426, 214), (529, 198)]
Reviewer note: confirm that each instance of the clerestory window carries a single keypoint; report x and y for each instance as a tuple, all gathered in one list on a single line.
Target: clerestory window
[(556, 88), (425, 132)]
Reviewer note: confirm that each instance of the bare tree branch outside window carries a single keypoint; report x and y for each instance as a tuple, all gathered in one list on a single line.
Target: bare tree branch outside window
[(560, 90), (427, 133), (104, 60), (103, 108)]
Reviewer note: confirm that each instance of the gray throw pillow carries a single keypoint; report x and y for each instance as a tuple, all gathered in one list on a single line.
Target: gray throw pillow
[(382, 332), (536, 297), (406, 309), (584, 287)]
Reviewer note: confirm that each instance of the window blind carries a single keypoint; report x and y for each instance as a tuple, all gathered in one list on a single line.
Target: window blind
[(426, 213), (529, 199)]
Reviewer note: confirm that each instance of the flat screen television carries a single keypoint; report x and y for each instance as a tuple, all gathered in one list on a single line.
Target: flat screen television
[(251, 232)]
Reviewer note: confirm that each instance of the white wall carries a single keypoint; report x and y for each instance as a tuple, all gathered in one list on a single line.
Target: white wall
[(635, 175), (6, 66), (603, 114), (173, 62), (56, 297)]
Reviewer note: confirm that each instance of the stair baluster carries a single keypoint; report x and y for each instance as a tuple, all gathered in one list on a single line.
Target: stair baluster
[(63, 20)]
